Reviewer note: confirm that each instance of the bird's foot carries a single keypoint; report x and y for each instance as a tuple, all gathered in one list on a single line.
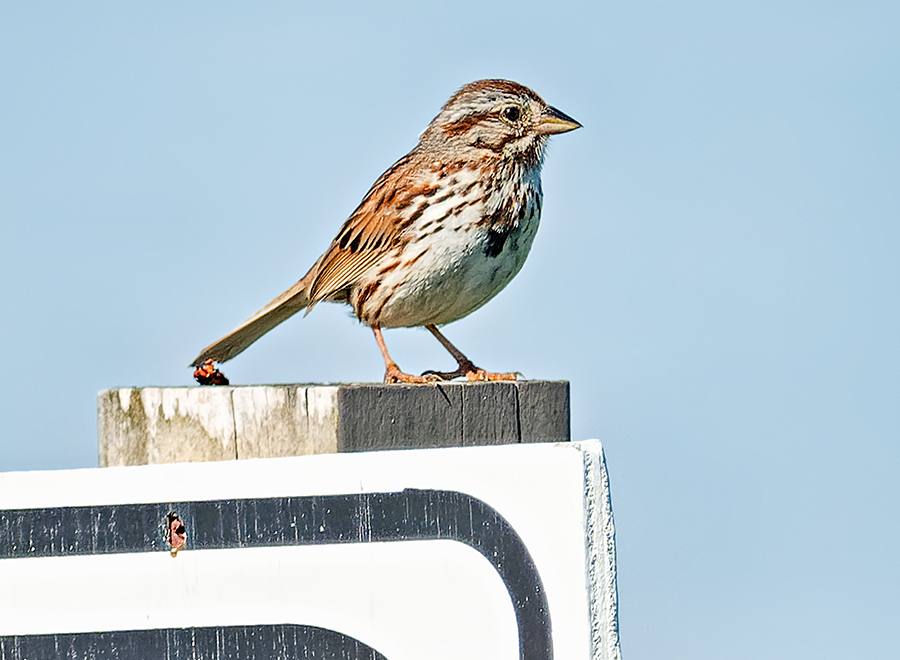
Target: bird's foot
[(472, 373), (394, 375)]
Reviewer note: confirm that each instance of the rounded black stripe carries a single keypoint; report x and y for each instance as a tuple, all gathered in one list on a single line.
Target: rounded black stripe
[(410, 515)]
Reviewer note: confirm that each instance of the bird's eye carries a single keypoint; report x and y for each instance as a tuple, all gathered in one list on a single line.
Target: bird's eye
[(511, 113)]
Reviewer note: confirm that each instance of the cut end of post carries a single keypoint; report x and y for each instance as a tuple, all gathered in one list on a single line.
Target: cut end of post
[(140, 426)]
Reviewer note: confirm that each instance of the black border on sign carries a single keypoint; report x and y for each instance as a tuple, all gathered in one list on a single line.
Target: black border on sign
[(410, 515), (214, 643)]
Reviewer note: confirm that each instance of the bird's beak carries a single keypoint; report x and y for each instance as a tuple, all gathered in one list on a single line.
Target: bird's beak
[(553, 121)]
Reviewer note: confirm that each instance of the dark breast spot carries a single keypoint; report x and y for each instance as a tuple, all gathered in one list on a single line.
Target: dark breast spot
[(497, 237)]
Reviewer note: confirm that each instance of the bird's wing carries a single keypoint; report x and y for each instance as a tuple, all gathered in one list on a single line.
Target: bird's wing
[(374, 231)]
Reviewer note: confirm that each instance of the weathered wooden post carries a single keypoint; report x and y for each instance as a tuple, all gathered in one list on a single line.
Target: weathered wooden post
[(139, 426)]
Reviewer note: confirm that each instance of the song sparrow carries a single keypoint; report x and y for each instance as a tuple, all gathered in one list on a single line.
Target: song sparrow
[(439, 234)]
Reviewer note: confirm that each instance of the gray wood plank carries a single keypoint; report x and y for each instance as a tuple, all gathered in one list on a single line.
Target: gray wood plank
[(544, 411), (377, 416), (490, 415)]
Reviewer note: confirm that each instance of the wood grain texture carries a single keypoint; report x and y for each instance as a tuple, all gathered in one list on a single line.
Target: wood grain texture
[(544, 411), (139, 426), (490, 414), (376, 416)]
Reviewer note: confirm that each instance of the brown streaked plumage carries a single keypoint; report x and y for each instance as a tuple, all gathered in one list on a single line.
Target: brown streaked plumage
[(439, 233)]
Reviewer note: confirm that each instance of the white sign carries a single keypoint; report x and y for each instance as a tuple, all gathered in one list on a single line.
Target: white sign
[(498, 552)]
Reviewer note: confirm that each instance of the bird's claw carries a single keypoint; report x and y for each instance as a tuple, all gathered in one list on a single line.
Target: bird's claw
[(473, 374), (394, 375)]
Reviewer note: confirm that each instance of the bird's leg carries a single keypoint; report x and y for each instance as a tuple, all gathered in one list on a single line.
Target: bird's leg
[(466, 367), (392, 373)]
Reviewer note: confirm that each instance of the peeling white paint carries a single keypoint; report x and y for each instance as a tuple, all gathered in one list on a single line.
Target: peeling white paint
[(600, 555), (150, 399), (124, 398), (321, 414)]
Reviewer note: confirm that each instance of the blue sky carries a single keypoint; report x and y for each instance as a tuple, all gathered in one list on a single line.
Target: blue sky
[(716, 273)]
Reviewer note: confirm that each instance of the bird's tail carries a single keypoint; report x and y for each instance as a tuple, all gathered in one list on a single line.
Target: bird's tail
[(281, 309)]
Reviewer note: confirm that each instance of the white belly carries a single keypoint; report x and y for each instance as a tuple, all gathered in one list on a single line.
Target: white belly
[(451, 274)]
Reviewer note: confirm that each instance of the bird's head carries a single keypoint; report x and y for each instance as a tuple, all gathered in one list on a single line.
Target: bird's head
[(496, 116)]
